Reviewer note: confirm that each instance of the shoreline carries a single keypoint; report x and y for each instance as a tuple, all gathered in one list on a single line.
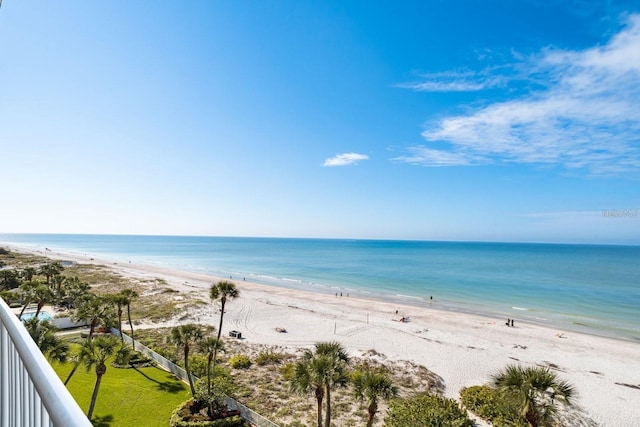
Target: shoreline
[(464, 349), (599, 327)]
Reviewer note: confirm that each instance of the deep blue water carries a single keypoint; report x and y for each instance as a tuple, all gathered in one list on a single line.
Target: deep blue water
[(590, 288)]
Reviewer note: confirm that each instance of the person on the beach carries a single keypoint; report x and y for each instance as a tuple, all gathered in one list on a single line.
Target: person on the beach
[(508, 322), (512, 323)]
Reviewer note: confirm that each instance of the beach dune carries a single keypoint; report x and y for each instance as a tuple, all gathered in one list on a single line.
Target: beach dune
[(463, 349)]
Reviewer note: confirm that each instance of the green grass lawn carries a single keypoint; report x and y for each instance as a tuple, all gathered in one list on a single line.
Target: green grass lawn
[(128, 397)]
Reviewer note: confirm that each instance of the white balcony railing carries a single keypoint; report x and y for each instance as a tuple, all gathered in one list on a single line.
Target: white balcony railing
[(31, 394)]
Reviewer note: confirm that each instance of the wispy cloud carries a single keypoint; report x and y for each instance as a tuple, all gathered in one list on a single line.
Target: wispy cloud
[(419, 155), (583, 114), (455, 81), (345, 159)]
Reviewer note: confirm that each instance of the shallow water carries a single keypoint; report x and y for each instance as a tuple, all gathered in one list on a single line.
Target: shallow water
[(589, 288)]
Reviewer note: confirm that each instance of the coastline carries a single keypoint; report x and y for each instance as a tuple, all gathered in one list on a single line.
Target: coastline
[(583, 288), (463, 348)]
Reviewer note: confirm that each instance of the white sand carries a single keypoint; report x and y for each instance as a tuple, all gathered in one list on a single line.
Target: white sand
[(463, 349)]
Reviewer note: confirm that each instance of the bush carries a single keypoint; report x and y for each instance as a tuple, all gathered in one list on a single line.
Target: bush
[(426, 411), (170, 355), (189, 415), (240, 362), (139, 360), (287, 371), (499, 408), (198, 365), (221, 387), (269, 358)]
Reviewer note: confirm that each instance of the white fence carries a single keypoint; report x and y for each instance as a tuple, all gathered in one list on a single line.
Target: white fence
[(31, 394), (246, 413), (249, 415), (67, 323)]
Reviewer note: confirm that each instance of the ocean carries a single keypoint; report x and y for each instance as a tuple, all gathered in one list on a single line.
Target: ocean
[(586, 288)]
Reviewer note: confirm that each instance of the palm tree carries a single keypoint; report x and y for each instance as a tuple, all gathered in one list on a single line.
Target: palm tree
[(308, 376), (211, 346), (34, 291), (94, 353), (9, 279), (95, 309), (373, 386), (51, 269), (337, 375), (42, 295), (26, 294), (119, 301), (58, 282), (27, 273), (129, 296), (72, 292), (537, 388), (224, 291), (75, 359), (183, 336), (8, 296), (44, 335), (322, 371)]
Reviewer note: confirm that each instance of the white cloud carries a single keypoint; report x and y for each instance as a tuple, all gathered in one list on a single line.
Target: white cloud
[(422, 155), (587, 116), (454, 81), (345, 159)]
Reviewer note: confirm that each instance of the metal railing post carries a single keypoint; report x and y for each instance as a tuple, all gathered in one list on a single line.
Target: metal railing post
[(31, 394)]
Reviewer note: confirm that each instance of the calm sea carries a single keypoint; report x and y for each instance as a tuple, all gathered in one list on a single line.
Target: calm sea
[(588, 288)]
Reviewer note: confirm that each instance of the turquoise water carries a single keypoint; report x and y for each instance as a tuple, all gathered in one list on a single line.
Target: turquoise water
[(590, 288), (42, 316)]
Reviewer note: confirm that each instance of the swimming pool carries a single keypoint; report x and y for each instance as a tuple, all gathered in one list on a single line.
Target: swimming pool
[(43, 315)]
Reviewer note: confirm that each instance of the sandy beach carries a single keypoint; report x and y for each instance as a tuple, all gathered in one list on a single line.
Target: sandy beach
[(463, 349)]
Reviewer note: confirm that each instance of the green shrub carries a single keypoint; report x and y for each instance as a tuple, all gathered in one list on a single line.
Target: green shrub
[(499, 408), (426, 411), (240, 362), (140, 360), (269, 358), (198, 365), (287, 371), (184, 411), (221, 387), (170, 355)]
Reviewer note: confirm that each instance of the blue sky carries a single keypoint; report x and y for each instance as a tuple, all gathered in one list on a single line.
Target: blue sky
[(435, 120)]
